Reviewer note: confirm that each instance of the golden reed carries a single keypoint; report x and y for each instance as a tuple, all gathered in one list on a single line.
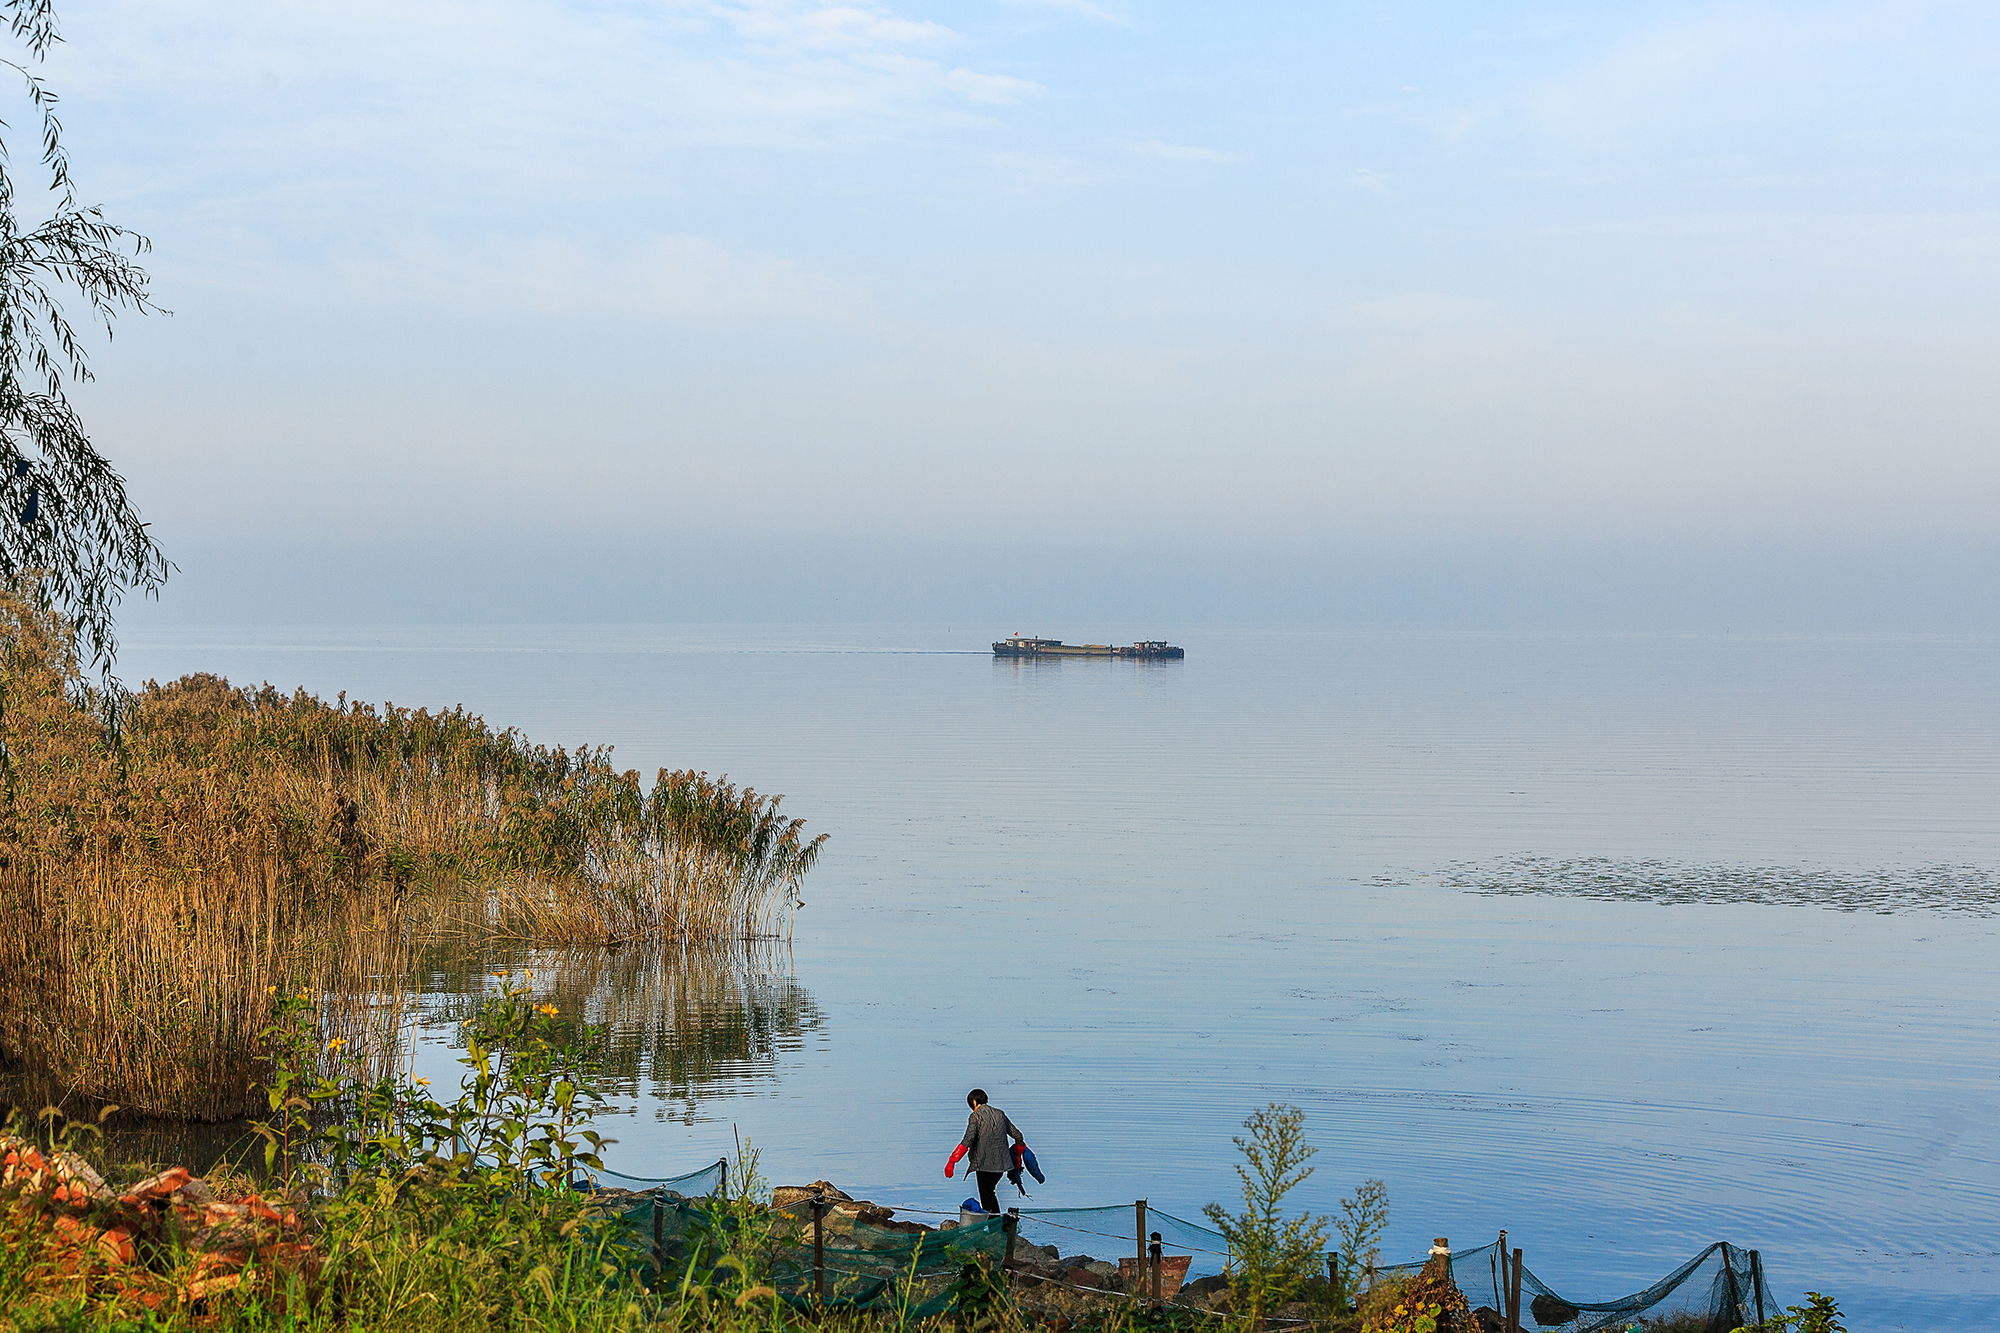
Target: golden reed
[(171, 856)]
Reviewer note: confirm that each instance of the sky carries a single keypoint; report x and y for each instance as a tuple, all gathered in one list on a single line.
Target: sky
[(666, 309)]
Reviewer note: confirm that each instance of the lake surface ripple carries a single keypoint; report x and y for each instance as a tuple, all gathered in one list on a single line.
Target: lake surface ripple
[(1623, 943)]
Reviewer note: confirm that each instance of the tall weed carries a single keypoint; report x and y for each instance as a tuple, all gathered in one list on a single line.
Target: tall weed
[(1272, 1256)]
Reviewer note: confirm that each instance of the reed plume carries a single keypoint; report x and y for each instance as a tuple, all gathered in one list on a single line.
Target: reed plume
[(696, 859)]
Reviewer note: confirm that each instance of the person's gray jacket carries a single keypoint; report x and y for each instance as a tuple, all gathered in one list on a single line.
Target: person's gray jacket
[(987, 1130)]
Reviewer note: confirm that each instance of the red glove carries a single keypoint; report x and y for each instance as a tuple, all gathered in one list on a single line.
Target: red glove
[(956, 1153)]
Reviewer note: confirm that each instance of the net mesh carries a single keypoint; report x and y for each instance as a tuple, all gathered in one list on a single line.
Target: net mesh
[(1113, 1233), (926, 1272), (1720, 1289), (708, 1180), (919, 1273)]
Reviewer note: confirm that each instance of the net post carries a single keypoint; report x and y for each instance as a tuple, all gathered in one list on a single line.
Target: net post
[(659, 1239), (1333, 1277), (1757, 1286), (1010, 1227), (1735, 1292), (819, 1249), (1514, 1297), (1500, 1287), (722, 1184), (1139, 1240), (1153, 1253)]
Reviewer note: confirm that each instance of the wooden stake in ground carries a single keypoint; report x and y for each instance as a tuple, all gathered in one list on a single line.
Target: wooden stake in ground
[(1139, 1240), (819, 1248)]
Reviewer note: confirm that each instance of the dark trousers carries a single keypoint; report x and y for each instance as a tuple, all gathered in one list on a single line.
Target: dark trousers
[(987, 1198)]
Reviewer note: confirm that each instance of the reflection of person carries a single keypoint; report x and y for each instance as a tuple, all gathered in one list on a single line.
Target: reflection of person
[(987, 1130)]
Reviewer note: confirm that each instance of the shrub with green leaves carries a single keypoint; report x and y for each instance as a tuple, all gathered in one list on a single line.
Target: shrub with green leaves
[(1271, 1256), (523, 1110), (1820, 1314)]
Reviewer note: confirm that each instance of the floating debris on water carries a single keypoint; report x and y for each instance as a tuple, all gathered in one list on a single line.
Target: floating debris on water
[(1970, 889)]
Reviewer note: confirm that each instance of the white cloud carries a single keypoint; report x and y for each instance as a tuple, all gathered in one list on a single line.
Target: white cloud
[(1031, 172), (754, 193), (993, 89), (1181, 152), (1657, 69), (990, 89), (1734, 60), (1083, 7), (467, 86), (801, 25), (674, 278)]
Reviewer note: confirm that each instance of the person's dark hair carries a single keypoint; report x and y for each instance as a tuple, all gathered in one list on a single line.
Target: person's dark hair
[(976, 1098)]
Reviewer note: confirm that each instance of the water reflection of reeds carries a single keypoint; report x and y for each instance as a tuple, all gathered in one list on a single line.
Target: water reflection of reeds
[(682, 1022)]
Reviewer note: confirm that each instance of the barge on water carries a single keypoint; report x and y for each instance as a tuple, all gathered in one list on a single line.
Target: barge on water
[(1157, 650)]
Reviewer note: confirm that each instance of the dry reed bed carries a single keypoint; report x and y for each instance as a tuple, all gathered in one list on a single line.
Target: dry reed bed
[(170, 856)]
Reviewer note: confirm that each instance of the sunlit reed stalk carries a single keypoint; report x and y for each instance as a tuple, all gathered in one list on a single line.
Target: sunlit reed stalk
[(697, 859)]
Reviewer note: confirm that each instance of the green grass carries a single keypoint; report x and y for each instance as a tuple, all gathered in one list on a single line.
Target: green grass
[(419, 1214)]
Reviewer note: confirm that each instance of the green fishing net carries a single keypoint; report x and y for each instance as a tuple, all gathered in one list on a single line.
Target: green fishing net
[(926, 1272), (1720, 1289), (917, 1272)]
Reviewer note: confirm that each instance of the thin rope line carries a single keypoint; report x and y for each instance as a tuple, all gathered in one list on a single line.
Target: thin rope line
[(1109, 1235), (1040, 1218), (652, 1180)]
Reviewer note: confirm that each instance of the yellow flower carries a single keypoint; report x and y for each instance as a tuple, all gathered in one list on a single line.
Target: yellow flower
[(270, 990), (548, 1009), (423, 1083), (336, 1043)]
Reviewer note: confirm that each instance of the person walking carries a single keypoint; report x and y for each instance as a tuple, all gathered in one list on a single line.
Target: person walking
[(987, 1130)]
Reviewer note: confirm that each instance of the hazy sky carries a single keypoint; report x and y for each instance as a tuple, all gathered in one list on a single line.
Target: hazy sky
[(818, 292)]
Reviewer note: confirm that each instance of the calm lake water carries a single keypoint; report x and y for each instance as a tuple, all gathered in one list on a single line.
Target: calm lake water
[(1625, 944)]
